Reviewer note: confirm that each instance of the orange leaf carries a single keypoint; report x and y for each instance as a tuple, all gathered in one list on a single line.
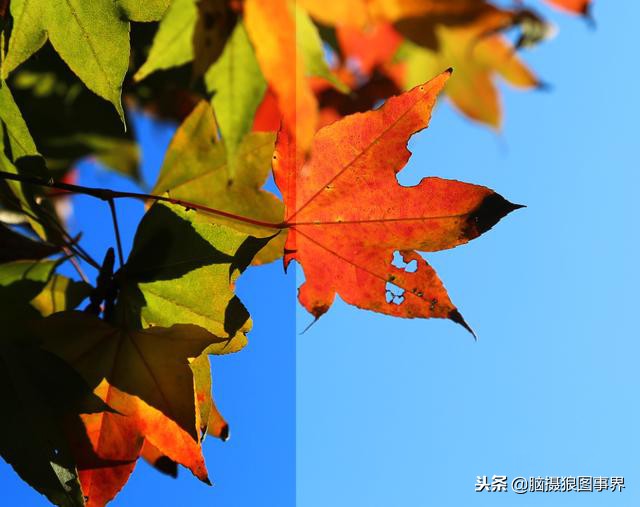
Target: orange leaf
[(268, 117), (106, 448), (345, 12), (158, 460), (145, 376), (209, 419), (334, 105), (372, 47), (348, 214), (575, 6), (272, 30), (360, 13)]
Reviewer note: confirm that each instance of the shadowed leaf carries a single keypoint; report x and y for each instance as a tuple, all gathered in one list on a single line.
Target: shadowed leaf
[(66, 120), (215, 22), (36, 390), (15, 246), (179, 272), (20, 283), (144, 375)]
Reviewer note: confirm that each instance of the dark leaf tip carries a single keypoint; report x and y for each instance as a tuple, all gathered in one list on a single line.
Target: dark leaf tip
[(491, 210), (456, 316)]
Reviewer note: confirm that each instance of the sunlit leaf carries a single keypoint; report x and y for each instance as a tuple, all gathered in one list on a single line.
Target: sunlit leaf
[(196, 169), (20, 141), (574, 6), (148, 10), (209, 418), (91, 37), (272, 29), (237, 85), (362, 13), (310, 46), (60, 294), (173, 43), (182, 270), (348, 215)]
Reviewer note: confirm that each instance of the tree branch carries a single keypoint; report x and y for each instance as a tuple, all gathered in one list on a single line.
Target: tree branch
[(106, 194)]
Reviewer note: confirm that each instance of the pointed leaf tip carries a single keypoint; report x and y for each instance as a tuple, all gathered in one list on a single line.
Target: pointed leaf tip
[(492, 209), (457, 317)]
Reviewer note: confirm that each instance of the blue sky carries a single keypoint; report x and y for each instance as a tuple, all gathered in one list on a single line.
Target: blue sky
[(367, 410), (407, 413)]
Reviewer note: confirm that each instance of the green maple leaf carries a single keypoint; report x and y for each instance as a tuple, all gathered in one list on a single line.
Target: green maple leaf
[(33, 385), (148, 10), (311, 48), (196, 169), (91, 37), (237, 85), (30, 289), (60, 294), (20, 140), (20, 283), (15, 246), (36, 388), (182, 270), (67, 122), (173, 43)]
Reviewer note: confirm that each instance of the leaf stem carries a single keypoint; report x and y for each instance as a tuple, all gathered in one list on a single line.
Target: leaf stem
[(106, 194), (116, 229), (72, 258)]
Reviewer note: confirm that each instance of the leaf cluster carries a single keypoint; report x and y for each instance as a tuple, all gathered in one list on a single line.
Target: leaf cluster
[(324, 96)]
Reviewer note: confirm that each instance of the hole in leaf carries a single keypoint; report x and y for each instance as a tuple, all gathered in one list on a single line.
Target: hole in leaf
[(394, 294), (399, 262)]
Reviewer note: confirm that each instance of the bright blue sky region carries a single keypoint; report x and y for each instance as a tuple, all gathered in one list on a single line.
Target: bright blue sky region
[(407, 413), (367, 410)]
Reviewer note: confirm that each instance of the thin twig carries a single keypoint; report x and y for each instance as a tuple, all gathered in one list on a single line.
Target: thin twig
[(116, 229), (73, 244), (72, 258), (106, 194)]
